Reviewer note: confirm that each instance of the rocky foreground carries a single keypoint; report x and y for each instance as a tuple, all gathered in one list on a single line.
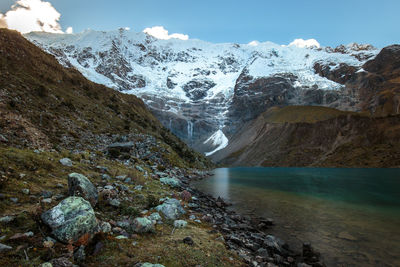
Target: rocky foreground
[(98, 209)]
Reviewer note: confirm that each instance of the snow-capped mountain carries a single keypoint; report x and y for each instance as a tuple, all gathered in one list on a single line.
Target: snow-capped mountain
[(204, 92)]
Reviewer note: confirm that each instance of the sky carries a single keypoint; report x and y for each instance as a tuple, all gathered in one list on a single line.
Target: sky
[(331, 23)]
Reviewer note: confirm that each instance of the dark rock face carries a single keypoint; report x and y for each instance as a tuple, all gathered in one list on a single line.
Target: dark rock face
[(254, 96), (197, 89), (375, 89)]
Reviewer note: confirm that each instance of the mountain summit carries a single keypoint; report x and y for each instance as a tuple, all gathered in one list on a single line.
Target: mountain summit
[(204, 92)]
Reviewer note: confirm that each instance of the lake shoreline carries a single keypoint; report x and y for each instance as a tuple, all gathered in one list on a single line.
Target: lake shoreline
[(245, 234)]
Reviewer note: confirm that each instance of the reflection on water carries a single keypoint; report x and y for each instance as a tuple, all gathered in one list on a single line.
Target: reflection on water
[(352, 216)]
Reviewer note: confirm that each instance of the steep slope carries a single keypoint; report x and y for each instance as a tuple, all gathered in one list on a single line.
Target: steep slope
[(315, 136), (201, 90), (44, 105), (376, 84)]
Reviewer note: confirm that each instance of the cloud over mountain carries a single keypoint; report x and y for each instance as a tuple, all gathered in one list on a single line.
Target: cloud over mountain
[(161, 33), (32, 15)]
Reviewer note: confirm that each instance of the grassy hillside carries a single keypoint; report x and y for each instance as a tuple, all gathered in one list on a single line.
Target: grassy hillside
[(315, 136), (310, 114), (44, 105)]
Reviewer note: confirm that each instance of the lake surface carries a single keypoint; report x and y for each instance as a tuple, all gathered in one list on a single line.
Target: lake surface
[(351, 216)]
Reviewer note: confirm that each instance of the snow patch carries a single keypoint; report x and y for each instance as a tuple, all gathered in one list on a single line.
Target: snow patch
[(217, 139)]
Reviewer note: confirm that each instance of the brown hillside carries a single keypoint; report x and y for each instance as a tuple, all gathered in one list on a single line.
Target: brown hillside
[(315, 136), (44, 105)]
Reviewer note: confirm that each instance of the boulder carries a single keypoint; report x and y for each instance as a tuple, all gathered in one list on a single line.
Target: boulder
[(155, 216), (71, 219), (142, 225), (180, 224), (171, 209), (4, 247), (66, 162), (116, 149), (170, 181), (79, 185)]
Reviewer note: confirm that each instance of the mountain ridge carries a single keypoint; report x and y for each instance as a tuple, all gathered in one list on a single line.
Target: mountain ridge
[(196, 88)]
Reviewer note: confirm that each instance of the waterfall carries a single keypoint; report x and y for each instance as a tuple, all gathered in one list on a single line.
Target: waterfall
[(190, 130)]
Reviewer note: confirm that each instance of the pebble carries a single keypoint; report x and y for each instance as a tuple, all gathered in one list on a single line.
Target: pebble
[(121, 237), (4, 247), (7, 219), (47, 200), (180, 223), (46, 194), (105, 177), (138, 187), (114, 202), (66, 162), (14, 199)]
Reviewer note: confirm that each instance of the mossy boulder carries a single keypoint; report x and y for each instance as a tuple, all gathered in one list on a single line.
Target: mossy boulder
[(170, 181), (142, 225), (171, 209), (71, 219), (79, 185)]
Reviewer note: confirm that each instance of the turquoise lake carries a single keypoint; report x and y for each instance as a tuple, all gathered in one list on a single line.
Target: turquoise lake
[(351, 216)]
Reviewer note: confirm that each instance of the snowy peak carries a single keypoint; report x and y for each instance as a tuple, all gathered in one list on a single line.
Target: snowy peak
[(196, 88)]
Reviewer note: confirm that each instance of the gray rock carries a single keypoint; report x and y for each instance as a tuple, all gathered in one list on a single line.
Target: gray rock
[(161, 174), (128, 180), (70, 219), (180, 224), (171, 209), (46, 194), (66, 162), (138, 187), (102, 168), (7, 219), (79, 185), (14, 199), (124, 224), (26, 191), (170, 181), (62, 262), (47, 200), (80, 254), (4, 247), (139, 168), (46, 264), (105, 177), (109, 187), (121, 177), (114, 202), (272, 242), (121, 237), (104, 227), (142, 225), (155, 216)]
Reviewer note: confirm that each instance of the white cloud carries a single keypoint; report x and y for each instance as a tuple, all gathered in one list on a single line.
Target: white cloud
[(160, 33), (69, 30), (305, 43), (33, 15)]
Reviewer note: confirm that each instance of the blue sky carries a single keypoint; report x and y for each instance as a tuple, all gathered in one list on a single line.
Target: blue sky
[(329, 22)]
